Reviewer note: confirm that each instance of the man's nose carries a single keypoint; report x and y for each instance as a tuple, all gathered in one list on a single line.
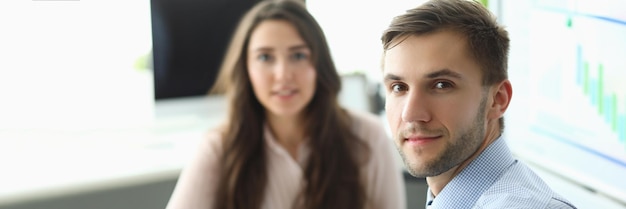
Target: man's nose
[(416, 108)]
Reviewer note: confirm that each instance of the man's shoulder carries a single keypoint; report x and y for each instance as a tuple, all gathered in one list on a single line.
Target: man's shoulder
[(520, 201), (520, 186)]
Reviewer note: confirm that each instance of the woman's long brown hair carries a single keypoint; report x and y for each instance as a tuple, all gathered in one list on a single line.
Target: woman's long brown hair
[(332, 174)]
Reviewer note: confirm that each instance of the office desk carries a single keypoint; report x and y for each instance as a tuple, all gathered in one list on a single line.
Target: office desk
[(74, 163)]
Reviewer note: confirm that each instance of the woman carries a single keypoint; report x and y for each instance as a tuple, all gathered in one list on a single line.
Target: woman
[(287, 143)]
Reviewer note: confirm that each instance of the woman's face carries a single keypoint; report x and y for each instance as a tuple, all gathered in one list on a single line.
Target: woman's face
[(280, 68)]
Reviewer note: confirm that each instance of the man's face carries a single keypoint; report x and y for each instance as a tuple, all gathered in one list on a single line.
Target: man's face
[(435, 102)]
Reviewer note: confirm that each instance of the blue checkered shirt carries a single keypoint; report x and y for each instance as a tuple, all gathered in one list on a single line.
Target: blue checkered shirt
[(495, 180)]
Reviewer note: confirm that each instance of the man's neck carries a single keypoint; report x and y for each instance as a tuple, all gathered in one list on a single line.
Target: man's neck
[(437, 183)]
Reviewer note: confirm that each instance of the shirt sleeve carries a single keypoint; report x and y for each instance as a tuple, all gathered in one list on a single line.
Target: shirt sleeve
[(196, 184), (385, 183)]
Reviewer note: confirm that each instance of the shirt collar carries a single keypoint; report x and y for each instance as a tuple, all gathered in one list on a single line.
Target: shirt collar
[(429, 198), (465, 188)]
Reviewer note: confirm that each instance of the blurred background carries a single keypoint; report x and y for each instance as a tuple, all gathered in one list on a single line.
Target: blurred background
[(101, 101)]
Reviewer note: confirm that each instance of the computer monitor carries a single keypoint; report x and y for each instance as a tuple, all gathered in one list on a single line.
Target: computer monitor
[(572, 92), (189, 39)]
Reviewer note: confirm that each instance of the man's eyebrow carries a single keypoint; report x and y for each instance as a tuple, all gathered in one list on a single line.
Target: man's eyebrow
[(444, 73), (440, 73), (392, 77)]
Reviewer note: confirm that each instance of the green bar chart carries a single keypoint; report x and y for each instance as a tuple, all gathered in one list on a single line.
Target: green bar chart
[(578, 80), (576, 89), (608, 103)]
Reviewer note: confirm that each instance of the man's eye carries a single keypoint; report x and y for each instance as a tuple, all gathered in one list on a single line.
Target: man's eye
[(443, 85), (397, 88)]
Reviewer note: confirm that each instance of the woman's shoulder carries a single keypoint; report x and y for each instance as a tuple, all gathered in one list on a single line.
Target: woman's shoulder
[(366, 119), (367, 126), (213, 140)]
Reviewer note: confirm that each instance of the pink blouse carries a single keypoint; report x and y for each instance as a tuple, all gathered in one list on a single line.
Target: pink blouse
[(384, 183)]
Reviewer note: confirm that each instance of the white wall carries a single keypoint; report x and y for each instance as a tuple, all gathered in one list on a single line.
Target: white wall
[(78, 64), (353, 29)]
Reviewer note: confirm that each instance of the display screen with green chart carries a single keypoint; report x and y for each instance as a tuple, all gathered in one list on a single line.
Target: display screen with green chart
[(577, 92)]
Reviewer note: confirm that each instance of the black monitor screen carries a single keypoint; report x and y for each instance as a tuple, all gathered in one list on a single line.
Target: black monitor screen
[(189, 41)]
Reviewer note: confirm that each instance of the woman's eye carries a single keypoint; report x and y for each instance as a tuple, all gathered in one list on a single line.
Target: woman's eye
[(264, 57), (299, 56)]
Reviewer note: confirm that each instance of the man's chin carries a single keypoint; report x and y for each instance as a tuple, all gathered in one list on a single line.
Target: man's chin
[(419, 174), (422, 169)]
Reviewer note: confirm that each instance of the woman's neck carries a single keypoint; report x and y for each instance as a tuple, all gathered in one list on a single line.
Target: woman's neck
[(288, 131)]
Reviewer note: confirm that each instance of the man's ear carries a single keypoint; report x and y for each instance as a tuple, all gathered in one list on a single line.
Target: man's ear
[(501, 97)]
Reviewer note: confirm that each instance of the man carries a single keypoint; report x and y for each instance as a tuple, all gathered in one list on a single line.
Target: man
[(445, 74)]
